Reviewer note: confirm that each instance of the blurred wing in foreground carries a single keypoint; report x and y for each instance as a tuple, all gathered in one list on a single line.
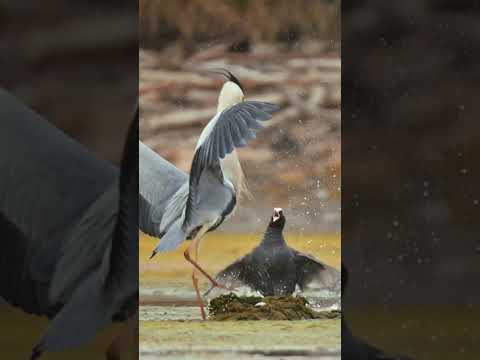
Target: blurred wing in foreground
[(70, 244), (48, 183)]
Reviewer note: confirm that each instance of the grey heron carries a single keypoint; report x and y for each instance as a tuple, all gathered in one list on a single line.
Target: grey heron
[(187, 207), (68, 227), (273, 268)]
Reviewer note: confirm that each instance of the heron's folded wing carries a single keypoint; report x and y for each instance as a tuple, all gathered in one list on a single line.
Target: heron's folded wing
[(311, 272), (159, 181), (230, 129), (47, 183), (174, 209)]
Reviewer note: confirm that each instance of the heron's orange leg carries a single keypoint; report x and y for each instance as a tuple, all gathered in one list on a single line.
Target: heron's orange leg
[(195, 281), (195, 245), (199, 268)]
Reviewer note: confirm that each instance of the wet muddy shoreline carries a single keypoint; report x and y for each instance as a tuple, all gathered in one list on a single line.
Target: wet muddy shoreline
[(170, 323)]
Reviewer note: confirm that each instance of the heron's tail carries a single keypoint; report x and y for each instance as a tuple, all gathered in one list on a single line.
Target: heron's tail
[(172, 238)]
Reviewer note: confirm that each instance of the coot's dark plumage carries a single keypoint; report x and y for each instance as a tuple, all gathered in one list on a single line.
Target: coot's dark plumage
[(274, 268)]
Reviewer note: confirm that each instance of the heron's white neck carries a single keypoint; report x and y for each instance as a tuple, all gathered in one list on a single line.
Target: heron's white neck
[(230, 95), (233, 172)]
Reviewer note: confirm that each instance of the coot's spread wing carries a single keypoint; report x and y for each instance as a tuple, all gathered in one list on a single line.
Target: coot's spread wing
[(313, 273), (235, 275)]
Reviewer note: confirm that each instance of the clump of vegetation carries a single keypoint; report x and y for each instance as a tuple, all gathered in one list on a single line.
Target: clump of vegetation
[(233, 307)]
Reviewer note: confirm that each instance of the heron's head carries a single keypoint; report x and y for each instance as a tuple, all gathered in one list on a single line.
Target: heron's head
[(278, 219), (232, 92)]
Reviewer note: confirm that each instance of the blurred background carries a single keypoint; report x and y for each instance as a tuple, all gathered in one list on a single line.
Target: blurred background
[(410, 155), (285, 52), (76, 64)]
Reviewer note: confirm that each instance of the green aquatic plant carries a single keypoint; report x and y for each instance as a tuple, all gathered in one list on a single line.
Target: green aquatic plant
[(233, 307)]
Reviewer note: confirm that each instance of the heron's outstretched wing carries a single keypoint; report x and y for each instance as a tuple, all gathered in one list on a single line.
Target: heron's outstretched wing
[(311, 272), (48, 182), (110, 282), (159, 181), (16, 284), (83, 248), (87, 312), (230, 129)]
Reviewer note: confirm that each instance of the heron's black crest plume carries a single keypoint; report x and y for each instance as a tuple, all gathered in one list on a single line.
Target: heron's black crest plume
[(230, 77)]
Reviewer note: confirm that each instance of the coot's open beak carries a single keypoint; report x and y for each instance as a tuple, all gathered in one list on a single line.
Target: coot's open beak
[(277, 213)]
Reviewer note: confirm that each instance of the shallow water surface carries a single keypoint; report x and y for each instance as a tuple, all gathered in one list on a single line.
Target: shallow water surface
[(196, 339), (170, 322)]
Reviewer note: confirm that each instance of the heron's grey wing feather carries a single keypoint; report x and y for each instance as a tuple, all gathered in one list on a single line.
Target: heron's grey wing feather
[(71, 327), (16, 283), (172, 238), (43, 173), (159, 180), (174, 210), (209, 196), (232, 128), (113, 278), (85, 246), (311, 272), (235, 126)]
